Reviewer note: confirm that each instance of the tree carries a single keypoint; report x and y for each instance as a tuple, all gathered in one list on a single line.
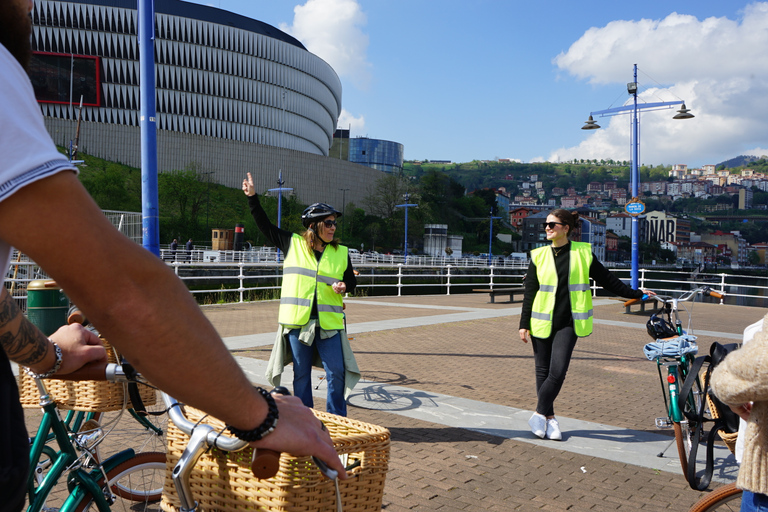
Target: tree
[(385, 195)]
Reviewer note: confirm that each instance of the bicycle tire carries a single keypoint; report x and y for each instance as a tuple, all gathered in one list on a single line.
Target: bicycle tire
[(723, 499), (130, 433), (685, 431), (137, 484)]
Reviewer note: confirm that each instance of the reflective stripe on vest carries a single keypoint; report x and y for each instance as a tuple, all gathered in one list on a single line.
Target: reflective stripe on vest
[(578, 288), (304, 278)]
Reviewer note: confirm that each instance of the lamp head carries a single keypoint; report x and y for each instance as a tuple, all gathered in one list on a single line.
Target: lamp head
[(683, 113), (591, 124), (632, 87)]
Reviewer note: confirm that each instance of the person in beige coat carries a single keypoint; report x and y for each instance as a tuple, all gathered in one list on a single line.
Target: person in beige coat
[(741, 381)]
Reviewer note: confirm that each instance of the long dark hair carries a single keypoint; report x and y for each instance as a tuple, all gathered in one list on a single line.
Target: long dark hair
[(570, 219)]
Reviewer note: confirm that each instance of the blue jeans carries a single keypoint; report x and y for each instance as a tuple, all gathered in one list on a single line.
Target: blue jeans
[(751, 502), (333, 361)]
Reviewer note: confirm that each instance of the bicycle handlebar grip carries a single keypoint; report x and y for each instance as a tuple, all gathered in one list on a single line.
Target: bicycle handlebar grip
[(91, 371), (265, 463), (716, 295), (75, 316), (632, 301)]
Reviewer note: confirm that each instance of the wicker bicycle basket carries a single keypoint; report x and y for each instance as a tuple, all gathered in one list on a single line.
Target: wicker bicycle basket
[(84, 395), (223, 481), (728, 439)]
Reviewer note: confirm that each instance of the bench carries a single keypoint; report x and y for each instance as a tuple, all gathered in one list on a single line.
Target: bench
[(502, 291)]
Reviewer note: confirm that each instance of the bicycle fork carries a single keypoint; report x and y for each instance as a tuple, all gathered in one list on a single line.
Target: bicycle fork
[(673, 409)]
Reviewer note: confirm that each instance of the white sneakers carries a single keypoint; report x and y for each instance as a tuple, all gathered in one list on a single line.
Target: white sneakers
[(553, 430), (543, 427), (538, 425)]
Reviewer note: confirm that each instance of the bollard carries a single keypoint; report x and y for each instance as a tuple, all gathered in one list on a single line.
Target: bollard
[(46, 305)]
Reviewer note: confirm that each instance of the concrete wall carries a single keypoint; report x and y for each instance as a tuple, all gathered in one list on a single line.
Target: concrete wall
[(313, 178)]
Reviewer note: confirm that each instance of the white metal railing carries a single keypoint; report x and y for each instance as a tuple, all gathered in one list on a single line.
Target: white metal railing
[(239, 276)]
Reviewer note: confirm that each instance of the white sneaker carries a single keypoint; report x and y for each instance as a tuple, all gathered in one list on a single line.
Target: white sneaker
[(553, 430), (538, 425)]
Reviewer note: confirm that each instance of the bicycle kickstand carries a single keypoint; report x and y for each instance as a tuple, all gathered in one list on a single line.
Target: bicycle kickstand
[(661, 454)]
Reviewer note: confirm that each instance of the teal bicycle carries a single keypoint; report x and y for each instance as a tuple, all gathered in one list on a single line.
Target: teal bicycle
[(68, 449), (674, 349)]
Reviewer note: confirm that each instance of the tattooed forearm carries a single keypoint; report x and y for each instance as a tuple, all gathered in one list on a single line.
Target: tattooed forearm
[(19, 338)]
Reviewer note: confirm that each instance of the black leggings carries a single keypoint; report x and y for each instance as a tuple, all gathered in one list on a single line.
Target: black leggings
[(552, 356)]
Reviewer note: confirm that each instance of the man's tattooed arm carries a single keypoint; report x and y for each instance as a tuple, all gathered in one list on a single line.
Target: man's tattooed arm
[(19, 338)]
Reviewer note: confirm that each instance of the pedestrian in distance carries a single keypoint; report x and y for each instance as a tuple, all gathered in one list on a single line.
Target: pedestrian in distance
[(146, 312), (316, 272), (174, 247), (557, 310), (190, 248)]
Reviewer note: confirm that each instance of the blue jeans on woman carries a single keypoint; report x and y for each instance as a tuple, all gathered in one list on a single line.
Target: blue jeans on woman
[(751, 502), (333, 361)]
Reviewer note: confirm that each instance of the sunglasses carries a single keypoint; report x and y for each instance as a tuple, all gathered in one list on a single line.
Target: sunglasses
[(551, 225), (329, 223)]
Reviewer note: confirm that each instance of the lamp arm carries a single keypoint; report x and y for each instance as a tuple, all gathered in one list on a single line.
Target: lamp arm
[(644, 106)]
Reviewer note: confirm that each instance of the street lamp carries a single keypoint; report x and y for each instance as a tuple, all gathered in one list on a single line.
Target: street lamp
[(343, 208), (279, 191), (635, 207), (490, 239), (406, 205)]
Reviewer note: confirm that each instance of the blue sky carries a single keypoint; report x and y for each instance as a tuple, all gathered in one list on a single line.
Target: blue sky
[(462, 80)]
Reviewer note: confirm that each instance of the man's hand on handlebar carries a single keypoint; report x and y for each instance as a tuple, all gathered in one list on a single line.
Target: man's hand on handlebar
[(79, 346), (300, 433)]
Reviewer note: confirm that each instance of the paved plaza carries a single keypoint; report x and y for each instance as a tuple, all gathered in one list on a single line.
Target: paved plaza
[(450, 378)]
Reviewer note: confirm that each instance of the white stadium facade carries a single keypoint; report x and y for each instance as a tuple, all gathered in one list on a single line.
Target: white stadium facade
[(233, 95)]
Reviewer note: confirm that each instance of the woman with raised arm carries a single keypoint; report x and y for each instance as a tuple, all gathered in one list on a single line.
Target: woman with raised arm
[(557, 310), (316, 272)]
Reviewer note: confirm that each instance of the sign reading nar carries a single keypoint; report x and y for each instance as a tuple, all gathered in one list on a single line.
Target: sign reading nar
[(666, 228)]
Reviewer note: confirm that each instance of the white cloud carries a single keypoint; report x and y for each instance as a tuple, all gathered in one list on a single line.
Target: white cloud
[(348, 121), (718, 66), (332, 30)]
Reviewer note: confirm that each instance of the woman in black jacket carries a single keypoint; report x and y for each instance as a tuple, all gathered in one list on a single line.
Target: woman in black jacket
[(557, 310)]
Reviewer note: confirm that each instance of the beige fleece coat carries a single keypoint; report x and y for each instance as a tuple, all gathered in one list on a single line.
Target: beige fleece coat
[(740, 378)]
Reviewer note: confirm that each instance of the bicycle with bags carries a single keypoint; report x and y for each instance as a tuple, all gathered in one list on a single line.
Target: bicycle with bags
[(675, 349), (125, 480)]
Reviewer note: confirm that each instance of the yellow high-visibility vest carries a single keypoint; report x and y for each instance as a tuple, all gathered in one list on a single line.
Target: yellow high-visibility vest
[(304, 278), (578, 287)]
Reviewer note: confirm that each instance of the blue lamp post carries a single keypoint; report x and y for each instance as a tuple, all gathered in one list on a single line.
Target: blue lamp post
[(147, 122), (406, 205), (280, 189), (635, 207), (490, 239)]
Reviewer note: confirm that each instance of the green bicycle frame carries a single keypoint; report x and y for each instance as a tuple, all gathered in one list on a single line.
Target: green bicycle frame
[(80, 482)]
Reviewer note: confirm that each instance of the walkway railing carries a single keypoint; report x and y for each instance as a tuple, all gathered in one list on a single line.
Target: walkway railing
[(252, 278)]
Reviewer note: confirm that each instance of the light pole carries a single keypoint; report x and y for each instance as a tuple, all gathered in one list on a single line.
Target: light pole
[(635, 207), (490, 238), (406, 205), (343, 208), (279, 191)]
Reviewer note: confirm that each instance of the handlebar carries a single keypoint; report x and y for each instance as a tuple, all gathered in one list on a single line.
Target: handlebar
[(684, 297)]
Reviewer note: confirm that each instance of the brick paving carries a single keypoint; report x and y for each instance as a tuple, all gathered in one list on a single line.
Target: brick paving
[(435, 467)]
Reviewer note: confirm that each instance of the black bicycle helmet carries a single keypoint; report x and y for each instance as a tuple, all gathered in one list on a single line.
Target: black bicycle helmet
[(318, 211), (659, 328)]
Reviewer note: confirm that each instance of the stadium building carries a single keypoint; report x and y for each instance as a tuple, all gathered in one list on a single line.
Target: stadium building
[(233, 95)]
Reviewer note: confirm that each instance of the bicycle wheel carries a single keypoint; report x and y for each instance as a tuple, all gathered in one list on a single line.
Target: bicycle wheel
[(724, 499), (142, 434), (686, 431), (136, 483)]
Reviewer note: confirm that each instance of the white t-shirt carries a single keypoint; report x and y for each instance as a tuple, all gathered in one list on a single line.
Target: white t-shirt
[(28, 152)]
